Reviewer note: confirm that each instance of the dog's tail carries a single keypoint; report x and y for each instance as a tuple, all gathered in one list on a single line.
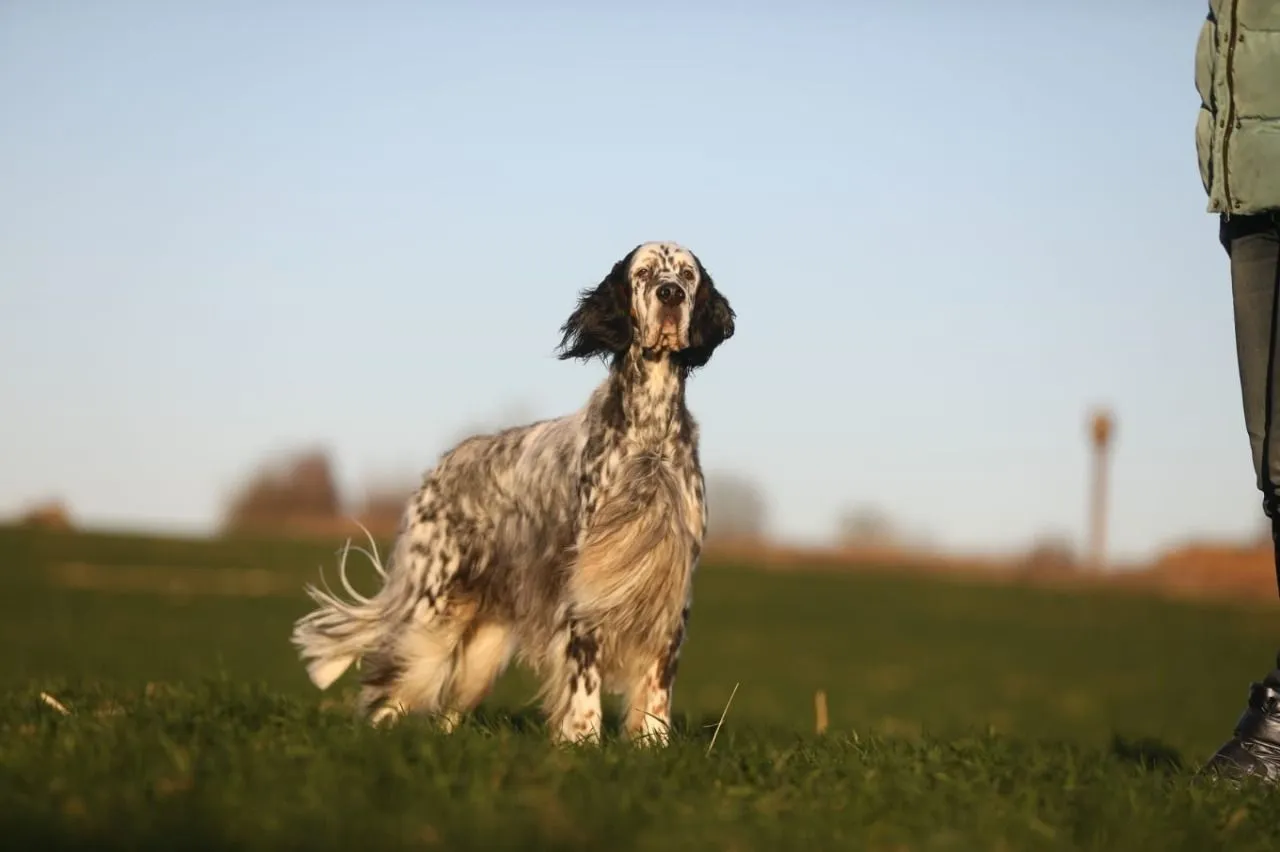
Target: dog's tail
[(339, 632)]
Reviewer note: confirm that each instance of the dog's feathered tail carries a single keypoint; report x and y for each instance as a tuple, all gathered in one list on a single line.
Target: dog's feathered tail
[(338, 633)]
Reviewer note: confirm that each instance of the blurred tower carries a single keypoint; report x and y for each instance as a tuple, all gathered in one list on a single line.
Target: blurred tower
[(1101, 433)]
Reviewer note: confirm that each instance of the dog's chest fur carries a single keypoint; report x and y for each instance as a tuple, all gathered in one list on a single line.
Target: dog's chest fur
[(644, 513)]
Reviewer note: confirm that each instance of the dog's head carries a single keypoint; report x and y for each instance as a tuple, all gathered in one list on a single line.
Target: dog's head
[(659, 299)]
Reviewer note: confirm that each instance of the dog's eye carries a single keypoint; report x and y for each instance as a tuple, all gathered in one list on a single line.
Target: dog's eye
[(642, 273), (686, 274)]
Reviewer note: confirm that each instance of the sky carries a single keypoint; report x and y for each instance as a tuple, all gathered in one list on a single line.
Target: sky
[(233, 230)]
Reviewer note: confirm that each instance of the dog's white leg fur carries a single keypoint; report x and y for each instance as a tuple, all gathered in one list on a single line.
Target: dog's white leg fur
[(481, 657), (443, 669), (411, 673), (648, 719), (386, 714), (583, 719), (573, 684)]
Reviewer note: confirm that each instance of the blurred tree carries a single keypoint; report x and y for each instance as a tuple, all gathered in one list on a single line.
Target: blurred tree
[(50, 515), (383, 507), (736, 509), (298, 489), (1051, 554), (866, 527)]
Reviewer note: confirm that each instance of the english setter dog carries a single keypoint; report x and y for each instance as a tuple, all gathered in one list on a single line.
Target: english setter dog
[(570, 543)]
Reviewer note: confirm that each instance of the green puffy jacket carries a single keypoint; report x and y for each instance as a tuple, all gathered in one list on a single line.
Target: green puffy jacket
[(1238, 128)]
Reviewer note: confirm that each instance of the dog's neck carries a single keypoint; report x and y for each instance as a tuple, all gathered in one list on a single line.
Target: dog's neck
[(649, 389)]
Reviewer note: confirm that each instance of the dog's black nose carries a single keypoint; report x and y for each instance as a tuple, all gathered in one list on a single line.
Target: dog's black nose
[(670, 294)]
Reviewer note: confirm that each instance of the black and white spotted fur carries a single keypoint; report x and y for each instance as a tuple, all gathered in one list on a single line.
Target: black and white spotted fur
[(570, 543)]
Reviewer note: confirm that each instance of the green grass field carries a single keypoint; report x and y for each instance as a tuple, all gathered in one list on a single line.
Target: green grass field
[(962, 717)]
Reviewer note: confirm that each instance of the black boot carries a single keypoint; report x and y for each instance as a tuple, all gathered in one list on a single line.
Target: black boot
[(1254, 748)]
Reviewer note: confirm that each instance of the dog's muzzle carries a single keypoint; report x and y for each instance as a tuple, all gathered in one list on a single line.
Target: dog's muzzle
[(672, 306), (670, 295)]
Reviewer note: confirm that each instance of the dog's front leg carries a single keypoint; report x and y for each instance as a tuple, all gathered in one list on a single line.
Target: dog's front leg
[(579, 711), (649, 697)]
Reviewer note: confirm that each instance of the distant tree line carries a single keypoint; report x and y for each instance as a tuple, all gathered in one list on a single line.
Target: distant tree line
[(300, 493)]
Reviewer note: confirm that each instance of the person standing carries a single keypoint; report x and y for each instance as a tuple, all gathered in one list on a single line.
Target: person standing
[(1237, 74)]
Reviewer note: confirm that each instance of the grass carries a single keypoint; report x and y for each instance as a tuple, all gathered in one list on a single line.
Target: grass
[(961, 717)]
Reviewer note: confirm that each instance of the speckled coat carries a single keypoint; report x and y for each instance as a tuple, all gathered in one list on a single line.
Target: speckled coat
[(569, 543)]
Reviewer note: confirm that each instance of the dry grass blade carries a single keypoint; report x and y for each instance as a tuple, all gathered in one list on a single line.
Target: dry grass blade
[(821, 720), (54, 703), (716, 732), (655, 737)]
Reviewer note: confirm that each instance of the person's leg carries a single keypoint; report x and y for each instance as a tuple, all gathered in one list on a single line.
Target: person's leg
[(1253, 244), (1254, 249)]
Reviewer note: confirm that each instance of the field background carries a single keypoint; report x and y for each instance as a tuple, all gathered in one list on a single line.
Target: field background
[(1130, 688)]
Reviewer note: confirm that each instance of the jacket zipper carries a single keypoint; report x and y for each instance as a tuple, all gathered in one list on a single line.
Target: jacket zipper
[(1231, 106)]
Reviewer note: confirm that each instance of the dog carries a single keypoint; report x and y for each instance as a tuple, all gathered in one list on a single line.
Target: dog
[(568, 543)]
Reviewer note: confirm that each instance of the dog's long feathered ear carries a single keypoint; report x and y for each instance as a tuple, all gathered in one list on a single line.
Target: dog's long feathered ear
[(710, 324), (601, 324)]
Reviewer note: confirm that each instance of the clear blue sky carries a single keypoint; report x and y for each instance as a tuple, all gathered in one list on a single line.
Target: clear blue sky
[(232, 229)]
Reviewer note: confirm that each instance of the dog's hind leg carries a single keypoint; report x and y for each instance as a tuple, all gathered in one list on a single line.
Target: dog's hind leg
[(479, 659), (411, 668), (411, 672)]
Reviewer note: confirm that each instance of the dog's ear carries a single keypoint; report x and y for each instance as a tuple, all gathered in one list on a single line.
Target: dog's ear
[(710, 324), (601, 324)]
